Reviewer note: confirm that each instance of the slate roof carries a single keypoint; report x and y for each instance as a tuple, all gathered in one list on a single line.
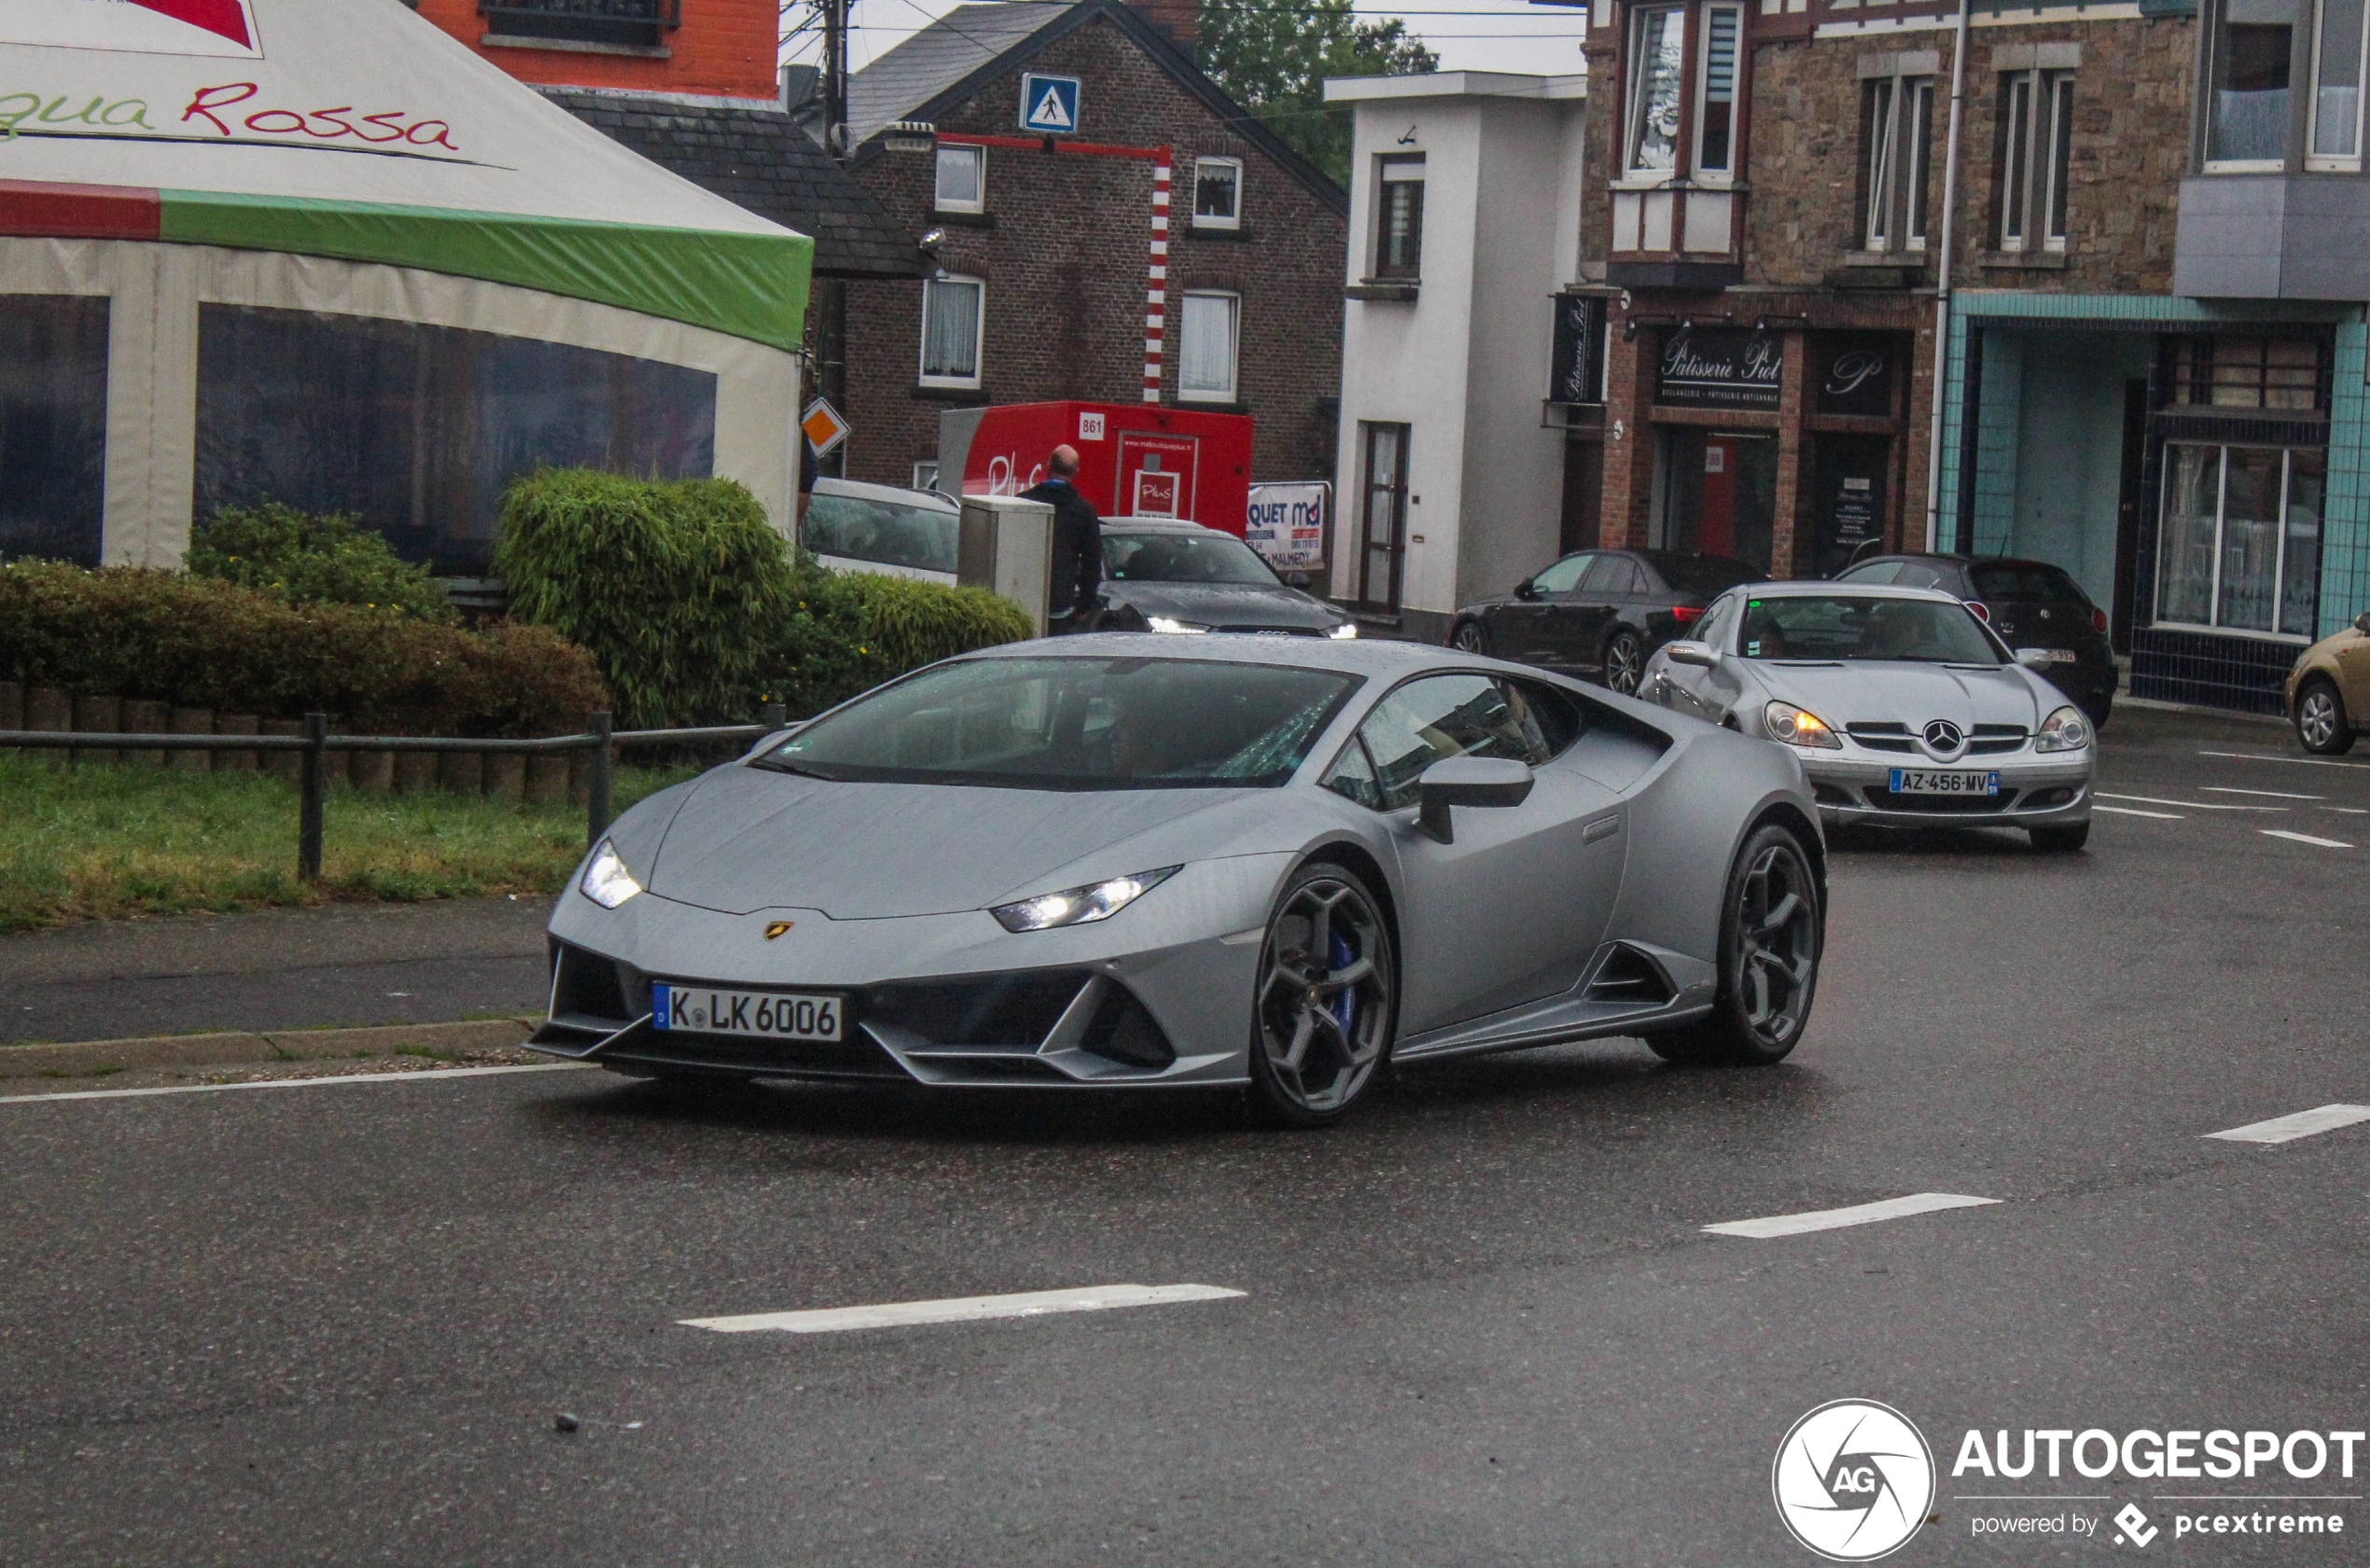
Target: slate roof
[(762, 159), (972, 46)]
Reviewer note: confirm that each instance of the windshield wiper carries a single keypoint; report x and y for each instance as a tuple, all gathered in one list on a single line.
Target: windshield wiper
[(775, 765)]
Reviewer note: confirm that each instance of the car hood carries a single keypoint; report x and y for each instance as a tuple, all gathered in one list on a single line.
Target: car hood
[(1227, 604), (1904, 693), (751, 839)]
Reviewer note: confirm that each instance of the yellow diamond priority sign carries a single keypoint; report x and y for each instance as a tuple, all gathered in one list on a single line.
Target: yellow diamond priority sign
[(824, 425)]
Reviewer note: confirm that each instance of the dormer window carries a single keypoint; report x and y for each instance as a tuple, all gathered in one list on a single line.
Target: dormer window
[(1658, 60), (1716, 121)]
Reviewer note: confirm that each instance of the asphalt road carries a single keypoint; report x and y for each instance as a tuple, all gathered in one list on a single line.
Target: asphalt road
[(1482, 1323)]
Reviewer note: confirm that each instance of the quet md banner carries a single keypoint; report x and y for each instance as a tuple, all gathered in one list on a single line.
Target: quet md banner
[(1286, 524)]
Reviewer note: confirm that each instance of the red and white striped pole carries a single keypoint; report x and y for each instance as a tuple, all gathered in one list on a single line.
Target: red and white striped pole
[(1156, 290)]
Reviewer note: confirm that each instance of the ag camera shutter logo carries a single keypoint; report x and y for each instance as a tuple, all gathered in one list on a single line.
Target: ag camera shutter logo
[(1853, 1480)]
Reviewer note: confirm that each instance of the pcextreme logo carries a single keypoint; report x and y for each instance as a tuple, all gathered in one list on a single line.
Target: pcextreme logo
[(1853, 1480)]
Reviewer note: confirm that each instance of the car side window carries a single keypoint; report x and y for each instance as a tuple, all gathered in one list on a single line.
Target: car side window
[(1877, 572), (1718, 623), (1441, 717), (1561, 577), (1551, 721), (1352, 774), (1614, 577)]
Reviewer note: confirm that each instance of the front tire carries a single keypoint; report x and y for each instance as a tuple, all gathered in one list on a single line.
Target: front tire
[(1625, 662), (1773, 927), (2323, 727), (1326, 1001), (1469, 637), (2060, 841)]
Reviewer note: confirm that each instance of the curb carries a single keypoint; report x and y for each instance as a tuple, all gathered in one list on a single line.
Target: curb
[(80, 1057)]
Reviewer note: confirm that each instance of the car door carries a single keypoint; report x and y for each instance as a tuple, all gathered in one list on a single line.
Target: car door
[(1577, 621), (2353, 674), (1527, 635), (1510, 912), (1682, 685)]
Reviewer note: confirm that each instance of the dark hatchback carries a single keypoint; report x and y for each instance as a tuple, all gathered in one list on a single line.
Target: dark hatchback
[(1600, 614), (2031, 604)]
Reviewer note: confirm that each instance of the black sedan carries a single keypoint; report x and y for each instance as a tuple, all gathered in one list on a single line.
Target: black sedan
[(2031, 604), (1179, 576), (1600, 614)]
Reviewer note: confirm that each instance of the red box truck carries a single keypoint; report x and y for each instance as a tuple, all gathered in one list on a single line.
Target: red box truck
[(1134, 459)]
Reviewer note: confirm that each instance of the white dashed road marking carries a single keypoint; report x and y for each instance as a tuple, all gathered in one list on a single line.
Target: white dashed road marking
[(2303, 838), (965, 1309), (2304, 1124), (2193, 805), (423, 1074), (2129, 812), (2274, 756), (2268, 794), (1835, 1219)]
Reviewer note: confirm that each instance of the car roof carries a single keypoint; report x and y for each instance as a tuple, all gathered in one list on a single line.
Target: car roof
[(1159, 525), (1816, 588), (862, 491), (1370, 656)]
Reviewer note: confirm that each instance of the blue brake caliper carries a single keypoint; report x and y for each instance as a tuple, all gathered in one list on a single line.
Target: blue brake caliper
[(1345, 1005)]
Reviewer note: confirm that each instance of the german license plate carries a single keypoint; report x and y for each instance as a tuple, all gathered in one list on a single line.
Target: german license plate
[(1924, 780), (758, 1015)]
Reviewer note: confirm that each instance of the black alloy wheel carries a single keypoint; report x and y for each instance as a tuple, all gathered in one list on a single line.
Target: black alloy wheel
[(2322, 725), (1469, 637), (1327, 999), (1625, 662), (1771, 933)]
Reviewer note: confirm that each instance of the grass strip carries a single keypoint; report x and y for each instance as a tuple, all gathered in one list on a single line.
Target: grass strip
[(87, 843)]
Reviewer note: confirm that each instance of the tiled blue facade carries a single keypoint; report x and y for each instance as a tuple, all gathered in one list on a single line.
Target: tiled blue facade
[(2345, 530)]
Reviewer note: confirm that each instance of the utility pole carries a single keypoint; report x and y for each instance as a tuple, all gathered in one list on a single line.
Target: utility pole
[(834, 21)]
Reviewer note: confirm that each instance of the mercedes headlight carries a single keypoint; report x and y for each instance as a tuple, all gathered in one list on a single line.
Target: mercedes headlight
[(1345, 629), (1799, 727), (1080, 906), (2064, 730), (1170, 623), (606, 879)]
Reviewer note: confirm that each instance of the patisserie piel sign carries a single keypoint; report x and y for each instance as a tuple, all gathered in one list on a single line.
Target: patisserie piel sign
[(221, 28)]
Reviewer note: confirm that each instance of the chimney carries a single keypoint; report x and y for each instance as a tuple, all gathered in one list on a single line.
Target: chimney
[(1180, 18)]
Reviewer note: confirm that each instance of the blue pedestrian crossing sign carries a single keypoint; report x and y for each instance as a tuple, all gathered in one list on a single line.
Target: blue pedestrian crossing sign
[(1049, 104)]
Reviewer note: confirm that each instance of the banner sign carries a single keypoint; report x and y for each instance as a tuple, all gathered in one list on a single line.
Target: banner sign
[(1578, 373), (1287, 524), (1718, 367), (1854, 373)]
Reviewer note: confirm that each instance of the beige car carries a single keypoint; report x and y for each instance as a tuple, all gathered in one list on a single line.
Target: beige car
[(2329, 689)]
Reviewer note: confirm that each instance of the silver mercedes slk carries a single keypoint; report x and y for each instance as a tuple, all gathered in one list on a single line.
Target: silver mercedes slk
[(1904, 708), (1112, 861)]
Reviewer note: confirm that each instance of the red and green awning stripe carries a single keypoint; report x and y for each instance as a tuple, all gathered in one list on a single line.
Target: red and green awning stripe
[(747, 286)]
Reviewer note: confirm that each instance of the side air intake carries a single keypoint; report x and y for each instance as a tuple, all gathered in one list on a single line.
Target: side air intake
[(1630, 978)]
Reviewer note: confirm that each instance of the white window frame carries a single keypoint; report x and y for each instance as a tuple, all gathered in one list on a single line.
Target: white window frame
[(1396, 170), (2336, 162), (1633, 100), (926, 475), (2221, 530), (2214, 57), (1232, 393), (1735, 107), (2034, 170), (1899, 134), (938, 188), (978, 332), (1233, 223)]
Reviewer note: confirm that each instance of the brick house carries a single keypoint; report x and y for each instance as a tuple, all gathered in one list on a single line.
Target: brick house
[(1765, 218), (1043, 245)]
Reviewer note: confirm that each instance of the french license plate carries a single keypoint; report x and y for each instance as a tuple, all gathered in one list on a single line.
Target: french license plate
[(1922, 781), (761, 1015)]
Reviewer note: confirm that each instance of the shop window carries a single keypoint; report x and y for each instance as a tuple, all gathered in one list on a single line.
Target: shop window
[(1657, 59), (622, 23), (1717, 493), (2336, 87), (2210, 372), (962, 179), (53, 427), (1398, 221), (1206, 338), (953, 311), (2036, 148), (1896, 137), (2252, 49), (1218, 193), (2240, 547), (1716, 112), (418, 430)]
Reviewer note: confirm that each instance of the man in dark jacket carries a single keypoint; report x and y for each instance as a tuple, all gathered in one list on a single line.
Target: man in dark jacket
[(1077, 547)]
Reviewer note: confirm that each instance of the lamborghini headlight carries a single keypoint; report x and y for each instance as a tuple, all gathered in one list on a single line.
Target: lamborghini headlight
[(1345, 629), (606, 879), (1170, 623), (1080, 906), (2064, 730), (1799, 727)]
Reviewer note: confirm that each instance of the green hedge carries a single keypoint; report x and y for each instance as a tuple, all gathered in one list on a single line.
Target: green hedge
[(196, 642), (851, 631), (313, 559), (675, 586)]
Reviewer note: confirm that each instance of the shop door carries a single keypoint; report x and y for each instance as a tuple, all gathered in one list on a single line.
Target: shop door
[(1382, 516), (1720, 497), (1851, 499)]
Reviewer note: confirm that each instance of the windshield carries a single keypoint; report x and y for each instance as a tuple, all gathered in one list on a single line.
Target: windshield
[(892, 533), (1865, 626), (1079, 724), (1183, 558)]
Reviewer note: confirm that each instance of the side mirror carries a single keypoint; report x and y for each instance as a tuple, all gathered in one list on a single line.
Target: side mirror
[(1467, 781), (1526, 589), (2362, 623), (2036, 658), (1296, 579), (1697, 654)]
